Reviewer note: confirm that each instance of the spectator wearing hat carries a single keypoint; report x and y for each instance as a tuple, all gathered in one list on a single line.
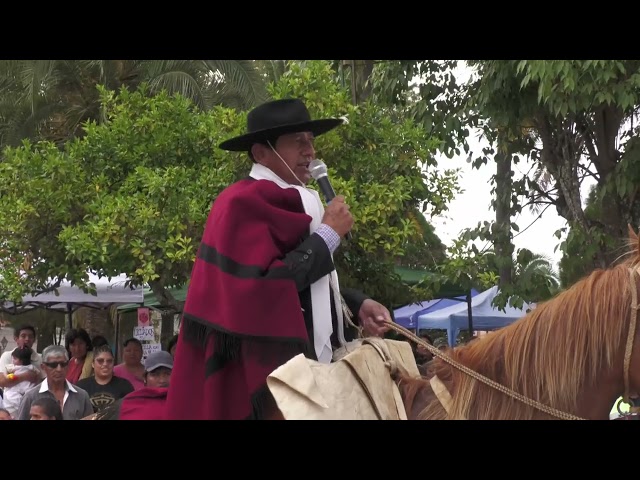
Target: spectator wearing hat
[(148, 402)]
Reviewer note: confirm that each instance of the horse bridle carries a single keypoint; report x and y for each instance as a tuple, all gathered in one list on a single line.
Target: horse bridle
[(633, 402)]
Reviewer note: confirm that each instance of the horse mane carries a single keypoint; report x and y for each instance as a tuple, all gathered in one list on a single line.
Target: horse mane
[(548, 355)]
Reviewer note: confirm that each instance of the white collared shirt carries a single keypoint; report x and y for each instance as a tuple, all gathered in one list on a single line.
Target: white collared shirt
[(44, 386)]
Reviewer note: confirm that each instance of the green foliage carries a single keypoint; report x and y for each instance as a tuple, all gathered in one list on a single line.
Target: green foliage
[(556, 113), (384, 165), (52, 99), (430, 93), (465, 266), (156, 169), (535, 279), (452, 109), (425, 252), (38, 192), (132, 195), (600, 96), (571, 86), (580, 248)]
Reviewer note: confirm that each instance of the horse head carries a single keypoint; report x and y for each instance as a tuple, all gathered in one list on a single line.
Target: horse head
[(575, 353)]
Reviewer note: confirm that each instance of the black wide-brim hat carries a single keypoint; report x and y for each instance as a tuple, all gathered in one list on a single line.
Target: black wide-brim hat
[(278, 117)]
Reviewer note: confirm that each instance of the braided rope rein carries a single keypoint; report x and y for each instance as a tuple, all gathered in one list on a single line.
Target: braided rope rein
[(532, 403), (631, 336)]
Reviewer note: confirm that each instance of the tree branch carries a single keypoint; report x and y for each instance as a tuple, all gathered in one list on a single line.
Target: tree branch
[(534, 221), (542, 193), (538, 202), (49, 289)]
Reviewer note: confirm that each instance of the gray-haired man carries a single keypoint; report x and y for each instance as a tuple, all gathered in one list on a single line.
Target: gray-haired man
[(74, 401)]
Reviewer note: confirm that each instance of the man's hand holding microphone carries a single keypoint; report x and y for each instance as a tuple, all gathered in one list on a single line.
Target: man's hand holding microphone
[(338, 216)]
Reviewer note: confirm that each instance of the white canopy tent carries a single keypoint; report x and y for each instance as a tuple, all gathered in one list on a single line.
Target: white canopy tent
[(484, 315), (70, 298)]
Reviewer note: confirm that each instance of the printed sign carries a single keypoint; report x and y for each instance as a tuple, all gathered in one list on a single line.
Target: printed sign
[(144, 319), (149, 348), (144, 333)]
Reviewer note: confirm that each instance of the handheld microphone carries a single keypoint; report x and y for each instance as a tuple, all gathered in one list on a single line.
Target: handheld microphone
[(318, 171)]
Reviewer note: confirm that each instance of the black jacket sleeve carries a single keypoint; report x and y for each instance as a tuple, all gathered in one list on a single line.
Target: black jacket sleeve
[(310, 261), (354, 299)]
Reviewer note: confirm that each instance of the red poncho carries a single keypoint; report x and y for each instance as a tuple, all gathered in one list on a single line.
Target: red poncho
[(242, 317), (144, 404)]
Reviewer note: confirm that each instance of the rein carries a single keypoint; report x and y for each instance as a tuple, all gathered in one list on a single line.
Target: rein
[(632, 330), (549, 410), (533, 403), (626, 398)]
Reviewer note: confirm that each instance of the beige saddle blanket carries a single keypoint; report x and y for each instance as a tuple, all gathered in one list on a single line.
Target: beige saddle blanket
[(357, 386)]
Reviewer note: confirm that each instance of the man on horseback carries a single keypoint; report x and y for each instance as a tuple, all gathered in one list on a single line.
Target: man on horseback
[(264, 287)]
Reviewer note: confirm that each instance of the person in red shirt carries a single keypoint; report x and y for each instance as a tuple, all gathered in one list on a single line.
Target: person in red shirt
[(79, 347)]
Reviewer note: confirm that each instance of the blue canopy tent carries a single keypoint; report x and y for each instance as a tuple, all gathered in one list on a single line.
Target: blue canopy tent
[(485, 316), (407, 316)]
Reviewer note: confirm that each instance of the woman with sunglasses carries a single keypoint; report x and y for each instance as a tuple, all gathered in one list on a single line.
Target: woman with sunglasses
[(104, 388)]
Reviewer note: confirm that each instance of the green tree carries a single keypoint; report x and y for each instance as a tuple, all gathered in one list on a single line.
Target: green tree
[(424, 250), (384, 165), (573, 119), (52, 99), (131, 197), (576, 261), (535, 278), (580, 113), (132, 194)]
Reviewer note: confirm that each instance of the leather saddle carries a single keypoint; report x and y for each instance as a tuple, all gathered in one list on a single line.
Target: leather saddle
[(357, 386)]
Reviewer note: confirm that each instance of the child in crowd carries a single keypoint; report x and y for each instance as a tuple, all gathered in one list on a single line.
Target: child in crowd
[(14, 392)]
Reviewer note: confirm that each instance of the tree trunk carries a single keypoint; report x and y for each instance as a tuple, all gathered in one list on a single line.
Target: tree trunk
[(170, 307), (95, 322), (360, 72), (502, 235), (46, 329), (364, 72), (166, 331), (561, 152)]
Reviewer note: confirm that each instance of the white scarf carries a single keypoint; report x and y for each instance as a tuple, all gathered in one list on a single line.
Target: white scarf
[(320, 289)]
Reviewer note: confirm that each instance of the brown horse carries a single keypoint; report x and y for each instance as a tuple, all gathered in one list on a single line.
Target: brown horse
[(568, 354)]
